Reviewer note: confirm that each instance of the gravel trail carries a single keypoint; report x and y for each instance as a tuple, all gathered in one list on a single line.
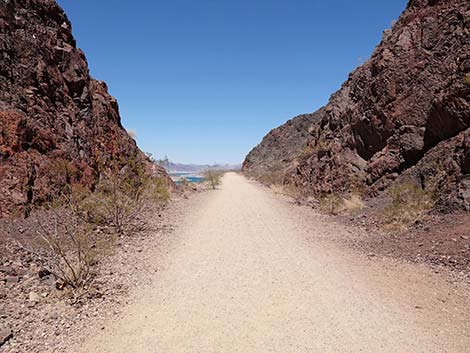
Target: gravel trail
[(248, 276)]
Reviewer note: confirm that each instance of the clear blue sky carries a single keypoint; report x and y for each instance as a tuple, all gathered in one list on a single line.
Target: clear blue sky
[(203, 81)]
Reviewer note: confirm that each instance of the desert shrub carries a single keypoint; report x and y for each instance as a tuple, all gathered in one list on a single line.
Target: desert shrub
[(69, 247), (295, 192), (67, 241), (70, 239), (466, 79), (409, 202), (323, 148), (156, 191), (213, 177), (331, 203), (184, 182), (164, 162), (119, 199), (121, 195), (307, 151), (357, 186), (352, 203), (270, 178)]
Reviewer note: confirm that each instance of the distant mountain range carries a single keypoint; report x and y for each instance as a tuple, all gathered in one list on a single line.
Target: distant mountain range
[(172, 167)]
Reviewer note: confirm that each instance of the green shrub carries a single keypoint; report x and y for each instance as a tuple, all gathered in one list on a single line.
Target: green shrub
[(120, 199)]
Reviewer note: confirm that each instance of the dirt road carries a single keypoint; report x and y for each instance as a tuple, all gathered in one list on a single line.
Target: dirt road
[(252, 273)]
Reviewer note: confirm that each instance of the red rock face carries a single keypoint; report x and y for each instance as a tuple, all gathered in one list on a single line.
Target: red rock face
[(53, 115), (398, 112)]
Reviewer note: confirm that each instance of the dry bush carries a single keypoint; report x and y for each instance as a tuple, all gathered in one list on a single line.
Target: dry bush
[(466, 79), (353, 203), (295, 192), (70, 248), (307, 152), (213, 177), (323, 148), (270, 178), (185, 183), (409, 203), (68, 239), (331, 203), (120, 199), (357, 186)]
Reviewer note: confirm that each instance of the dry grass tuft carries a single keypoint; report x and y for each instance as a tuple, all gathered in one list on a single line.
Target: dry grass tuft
[(331, 204), (409, 203)]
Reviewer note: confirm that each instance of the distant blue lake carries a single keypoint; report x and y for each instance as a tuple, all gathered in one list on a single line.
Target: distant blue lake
[(191, 177)]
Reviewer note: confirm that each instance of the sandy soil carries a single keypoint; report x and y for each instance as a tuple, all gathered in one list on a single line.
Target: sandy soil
[(252, 273)]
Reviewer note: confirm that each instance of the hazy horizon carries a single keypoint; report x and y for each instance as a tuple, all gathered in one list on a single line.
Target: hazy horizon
[(203, 82)]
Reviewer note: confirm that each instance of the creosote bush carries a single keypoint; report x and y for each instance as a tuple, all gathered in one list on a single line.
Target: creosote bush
[(120, 198), (213, 177), (409, 203), (79, 227), (69, 246)]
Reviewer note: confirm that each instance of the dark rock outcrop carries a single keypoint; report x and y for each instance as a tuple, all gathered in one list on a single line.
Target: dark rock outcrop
[(54, 117), (404, 113), (281, 146)]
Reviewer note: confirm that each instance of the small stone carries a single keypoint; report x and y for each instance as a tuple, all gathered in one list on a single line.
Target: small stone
[(34, 297), (17, 264), (5, 336), (50, 280), (12, 279), (43, 272)]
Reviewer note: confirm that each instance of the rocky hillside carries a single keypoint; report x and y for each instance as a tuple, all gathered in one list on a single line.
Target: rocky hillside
[(56, 121), (404, 114), (281, 146)]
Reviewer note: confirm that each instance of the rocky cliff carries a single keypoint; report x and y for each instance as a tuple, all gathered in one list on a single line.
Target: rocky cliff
[(55, 120), (281, 146), (405, 113)]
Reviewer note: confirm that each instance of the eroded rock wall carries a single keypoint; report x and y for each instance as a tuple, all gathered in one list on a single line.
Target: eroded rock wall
[(53, 115), (405, 112)]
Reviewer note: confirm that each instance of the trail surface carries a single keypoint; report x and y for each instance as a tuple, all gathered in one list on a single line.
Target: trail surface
[(252, 274)]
